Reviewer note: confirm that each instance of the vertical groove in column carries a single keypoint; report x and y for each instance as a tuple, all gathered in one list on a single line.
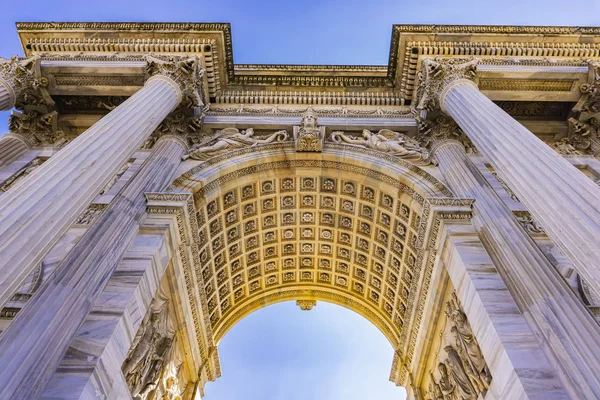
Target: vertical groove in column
[(5, 97), (11, 148), (563, 200), (36, 340), (559, 319), (40, 208)]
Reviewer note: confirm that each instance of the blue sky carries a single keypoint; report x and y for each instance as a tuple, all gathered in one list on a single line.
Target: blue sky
[(281, 352)]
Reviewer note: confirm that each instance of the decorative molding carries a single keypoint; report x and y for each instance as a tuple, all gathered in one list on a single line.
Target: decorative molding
[(22, 173), (282, 111), (306, 305), (98, 80), (526, 85)]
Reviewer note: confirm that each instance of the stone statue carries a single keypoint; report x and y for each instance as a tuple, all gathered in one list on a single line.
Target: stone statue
[(468, 348), (434, 392), (446, 385), (149, 351), (456, 371), (308, 136), (386, 141), (230, 139)]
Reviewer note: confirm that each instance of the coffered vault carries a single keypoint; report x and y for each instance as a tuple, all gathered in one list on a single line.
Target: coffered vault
[(174, 192)]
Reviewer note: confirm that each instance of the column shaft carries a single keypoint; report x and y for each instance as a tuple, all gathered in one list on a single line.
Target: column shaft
[(11, 148), (7, 96), (37, 211), (567, 332), (33, 345), (562, 199)]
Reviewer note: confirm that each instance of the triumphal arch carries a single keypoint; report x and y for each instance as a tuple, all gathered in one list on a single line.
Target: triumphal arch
[(153, 193)]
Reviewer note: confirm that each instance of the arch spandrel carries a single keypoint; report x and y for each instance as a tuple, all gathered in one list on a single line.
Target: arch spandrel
[(340, 226)]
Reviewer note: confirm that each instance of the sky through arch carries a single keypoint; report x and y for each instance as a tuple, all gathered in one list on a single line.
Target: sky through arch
[(283, 353)]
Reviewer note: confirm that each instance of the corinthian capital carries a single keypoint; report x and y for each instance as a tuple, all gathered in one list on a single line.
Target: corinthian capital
[(186, 72), (438, 74), (24, 81), (36, 128), (442, 130), (591, 90)]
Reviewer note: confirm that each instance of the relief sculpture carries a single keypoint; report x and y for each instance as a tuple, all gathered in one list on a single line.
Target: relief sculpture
[(463, 373), (230, 139), (386, 141), (151, 352)]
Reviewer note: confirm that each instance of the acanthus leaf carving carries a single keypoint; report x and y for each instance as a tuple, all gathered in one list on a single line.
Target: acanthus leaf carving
[(37, 128), (25, 82), (230, 139), (437, 73), (185, 71)]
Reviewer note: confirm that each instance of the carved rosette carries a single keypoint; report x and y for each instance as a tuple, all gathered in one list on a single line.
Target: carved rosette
[(438, 74), (36, 128), (186, 72), (24, 82)]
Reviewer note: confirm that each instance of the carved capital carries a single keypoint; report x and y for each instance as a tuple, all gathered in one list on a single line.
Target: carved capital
[(184, 127), (591, 90), (439, 74), (24, 81), (36, 128), (585, 136), (440, 131), (186, 72)]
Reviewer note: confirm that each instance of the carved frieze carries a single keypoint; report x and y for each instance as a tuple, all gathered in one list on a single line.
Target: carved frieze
[(585, 136), (386, 141), (230, 139), (90, 214), (462, 372), (308, 136), (437, 73)]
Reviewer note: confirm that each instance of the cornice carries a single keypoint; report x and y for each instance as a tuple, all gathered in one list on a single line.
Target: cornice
[(494, 45)]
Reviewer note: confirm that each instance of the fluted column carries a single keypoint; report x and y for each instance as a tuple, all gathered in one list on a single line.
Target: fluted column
[(34, 343), (562, 199), (7, 95), (39, 209), (11, 147), (568, 334)]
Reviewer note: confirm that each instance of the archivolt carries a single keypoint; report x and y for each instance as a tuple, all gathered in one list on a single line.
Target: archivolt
[(337, 226)]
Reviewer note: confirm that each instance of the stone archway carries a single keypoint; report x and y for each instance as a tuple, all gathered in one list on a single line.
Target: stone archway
[(348, 226)]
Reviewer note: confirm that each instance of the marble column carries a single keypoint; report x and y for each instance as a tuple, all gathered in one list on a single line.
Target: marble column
[(562, 199), (37, 211), (567, 332), (34, 343), (12, 146)]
